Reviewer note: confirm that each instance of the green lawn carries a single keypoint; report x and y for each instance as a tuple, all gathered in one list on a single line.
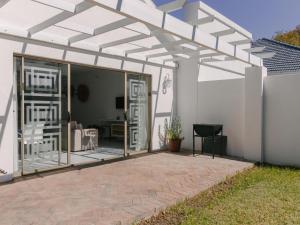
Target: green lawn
[(260, 196)]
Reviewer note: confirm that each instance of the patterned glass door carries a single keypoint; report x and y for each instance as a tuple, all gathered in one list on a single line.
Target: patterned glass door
[(138, 120), (44, 115)]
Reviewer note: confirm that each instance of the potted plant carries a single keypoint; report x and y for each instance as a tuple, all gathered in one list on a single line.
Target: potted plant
[(174, 135)]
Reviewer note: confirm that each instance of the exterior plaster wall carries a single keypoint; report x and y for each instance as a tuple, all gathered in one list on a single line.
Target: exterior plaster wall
[(282, 119), (209, 95)]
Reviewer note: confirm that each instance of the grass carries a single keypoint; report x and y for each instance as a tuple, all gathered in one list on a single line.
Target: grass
[(259, 196)]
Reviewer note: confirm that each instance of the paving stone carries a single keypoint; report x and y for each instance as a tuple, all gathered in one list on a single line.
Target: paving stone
[(111, 194)]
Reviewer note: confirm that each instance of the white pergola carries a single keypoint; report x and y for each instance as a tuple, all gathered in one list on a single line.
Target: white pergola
[(128, 28)]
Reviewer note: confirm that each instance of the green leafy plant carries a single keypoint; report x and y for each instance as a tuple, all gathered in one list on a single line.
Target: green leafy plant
[(174, 129)]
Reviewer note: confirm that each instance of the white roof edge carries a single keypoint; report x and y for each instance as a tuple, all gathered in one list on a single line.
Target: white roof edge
[(207, 9)]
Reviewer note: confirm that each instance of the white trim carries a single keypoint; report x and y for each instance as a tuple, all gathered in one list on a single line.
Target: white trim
[(103, 29), (224, 32), (256, 49), (154, 17), (201, 21), (241, 42), (224, 20), (172, 6), (60, 17), (59, 4)]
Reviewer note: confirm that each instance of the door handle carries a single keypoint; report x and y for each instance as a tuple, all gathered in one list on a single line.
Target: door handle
[(69, 117), (125, 116)]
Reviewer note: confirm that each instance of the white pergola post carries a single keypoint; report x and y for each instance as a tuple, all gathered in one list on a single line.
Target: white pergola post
[(253, 123)]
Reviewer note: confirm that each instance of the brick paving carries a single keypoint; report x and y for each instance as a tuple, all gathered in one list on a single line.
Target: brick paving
[(113, 194)]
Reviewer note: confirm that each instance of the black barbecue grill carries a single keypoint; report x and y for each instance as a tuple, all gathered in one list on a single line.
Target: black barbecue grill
[(211, 138)]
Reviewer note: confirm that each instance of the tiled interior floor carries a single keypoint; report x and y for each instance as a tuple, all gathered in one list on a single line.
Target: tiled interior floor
[(108, 150)]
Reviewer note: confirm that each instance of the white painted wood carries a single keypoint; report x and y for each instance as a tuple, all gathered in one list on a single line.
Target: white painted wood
[(59, 4), (265, 55), (103, 29), (125, 40), (179, 51), (172, 6), (241, 42), (60, 17), (224, 32), (208, 19), (256, 49), (140, 11), (218, 16), (163, 45)]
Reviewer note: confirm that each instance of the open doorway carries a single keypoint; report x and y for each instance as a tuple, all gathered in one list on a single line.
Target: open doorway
[(72, 114), (97, 118)]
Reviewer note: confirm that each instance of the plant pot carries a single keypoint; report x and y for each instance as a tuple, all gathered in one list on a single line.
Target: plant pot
[(174, 145)]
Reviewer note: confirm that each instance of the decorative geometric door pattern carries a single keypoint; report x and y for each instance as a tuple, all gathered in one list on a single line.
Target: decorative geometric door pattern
[(42, 112), (137, 114)]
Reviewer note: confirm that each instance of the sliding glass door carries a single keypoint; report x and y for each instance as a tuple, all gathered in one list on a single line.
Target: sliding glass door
[(138, 113), (45, 135), (42, 115)]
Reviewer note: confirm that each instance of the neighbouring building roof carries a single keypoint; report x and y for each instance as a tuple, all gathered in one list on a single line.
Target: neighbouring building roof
[(286, 59)]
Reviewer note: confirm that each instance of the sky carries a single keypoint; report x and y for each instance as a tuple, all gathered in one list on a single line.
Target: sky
[(263, 18)]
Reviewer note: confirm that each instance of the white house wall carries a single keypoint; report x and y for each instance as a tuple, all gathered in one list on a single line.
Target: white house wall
[(282, 120), (161, 102), (221, 102), (217, 98)]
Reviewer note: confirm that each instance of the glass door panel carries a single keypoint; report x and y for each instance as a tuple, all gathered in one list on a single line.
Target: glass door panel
[(44, 115), (138, 113)]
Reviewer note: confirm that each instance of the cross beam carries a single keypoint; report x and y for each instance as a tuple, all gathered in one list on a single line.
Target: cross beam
[(172, 6), (201, 21), (59, 17), (103, 29)]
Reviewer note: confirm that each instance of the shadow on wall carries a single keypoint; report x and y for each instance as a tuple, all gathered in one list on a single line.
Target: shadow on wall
[(164, 84), (3, 121)]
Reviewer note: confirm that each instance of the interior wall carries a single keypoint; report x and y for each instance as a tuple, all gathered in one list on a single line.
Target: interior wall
[(104, 87), (282, 119)]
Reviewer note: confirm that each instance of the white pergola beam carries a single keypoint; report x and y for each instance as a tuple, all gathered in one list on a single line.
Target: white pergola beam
[(154, 47), (265, 55), (179, 51), (223, 32), (211, 60), (195, 55), (60, 17), (125, 40), (59, 4), (3, 3), (140, 12), (224, 20), (104, 29), (241, 42), (256, 49), (169, 24), (201, 21), (172, 6)]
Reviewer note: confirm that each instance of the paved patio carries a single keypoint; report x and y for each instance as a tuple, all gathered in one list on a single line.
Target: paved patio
[(116, 193)]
